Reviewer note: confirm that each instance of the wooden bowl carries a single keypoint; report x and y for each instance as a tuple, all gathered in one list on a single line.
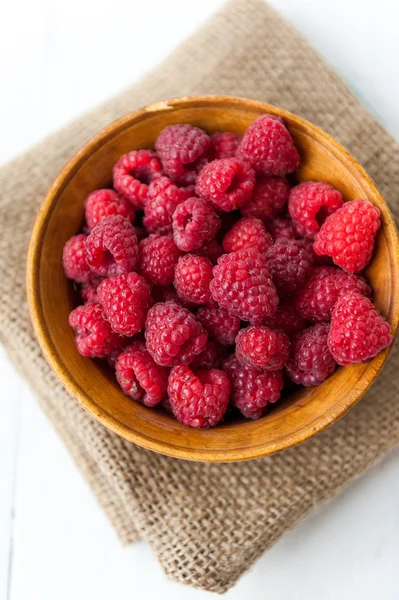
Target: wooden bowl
[(51, 297)]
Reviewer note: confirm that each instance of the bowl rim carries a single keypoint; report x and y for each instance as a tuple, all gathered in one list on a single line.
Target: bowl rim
[(42, 334)]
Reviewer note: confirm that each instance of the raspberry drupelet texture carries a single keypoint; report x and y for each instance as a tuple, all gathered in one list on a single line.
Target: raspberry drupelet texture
[(348, 235), (248, 232), (317, 298), (286, 318), (221, 325), (162, 199), (199, 400), (192, 278), (225, 143), (194, 223), (88, 290), (126, 299), (289, 264), (311, 362), (94, 336), (211, 356), (281, 228), (262, 347), (111, 247), (268, 146), (269, 198), (252, 389), (227, 183), (104, 203), (158, 256), (173, 335), (242, 284), (74, 259), (310, 201), (183, 150), (134, 172), (212, 250), (139, 376), (358, 332)]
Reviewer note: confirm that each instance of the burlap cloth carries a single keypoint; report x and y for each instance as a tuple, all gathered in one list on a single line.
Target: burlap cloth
[(207, 523)]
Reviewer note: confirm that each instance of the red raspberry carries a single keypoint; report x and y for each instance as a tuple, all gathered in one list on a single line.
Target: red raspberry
[(225, 143), (316, 300), (183, 150), (162, 199), (317, 260), (126, 300), (134, 172), (228, 183), (252, 389), (198, 400), (348, 235), (242, 284), (111, 247), (269, 198), (282, 228), (262, 348), (88, 290), (248, 232), (358, 332), (194, 223), (158, 259), (268, 146), (173, 335), (94, 336), (289, 264), (139, 376), (104, 203), (211, 356), (212, 250), (310, 203), (192, 277), (311, 361), (74, 259), (286, 318), (221, 326)]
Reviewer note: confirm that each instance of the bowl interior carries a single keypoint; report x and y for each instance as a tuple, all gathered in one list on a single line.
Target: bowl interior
[(51, 296)]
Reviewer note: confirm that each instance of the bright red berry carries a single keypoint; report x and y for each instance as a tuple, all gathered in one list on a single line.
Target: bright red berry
[(262, 347), (111, 247), (74, 259), (134, 172), (248, 232), (104, 203), (194, 223), (310, 203), (158, 259), (310, 362), (286, 318), (221, 325), (289, 264), (162, 199), (94, 336), (269, 198), (225, 143), (192, 278), (227, 183), (281, 228)]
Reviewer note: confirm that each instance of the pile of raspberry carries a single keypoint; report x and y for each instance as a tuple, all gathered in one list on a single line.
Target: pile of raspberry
[(209, 282)]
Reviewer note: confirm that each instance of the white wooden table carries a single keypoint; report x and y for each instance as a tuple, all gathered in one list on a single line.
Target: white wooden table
[(57, 59)]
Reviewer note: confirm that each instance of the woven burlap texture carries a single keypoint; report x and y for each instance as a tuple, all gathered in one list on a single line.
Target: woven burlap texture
[(207, 523)]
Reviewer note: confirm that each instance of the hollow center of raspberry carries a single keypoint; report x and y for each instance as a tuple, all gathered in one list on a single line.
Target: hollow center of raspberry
[(322, 215), (103, 258), (187, 219), (234, 184), (136, 391), (143, 174)]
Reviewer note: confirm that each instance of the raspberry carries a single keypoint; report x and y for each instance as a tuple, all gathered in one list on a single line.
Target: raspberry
[(94, 336), (139, 376), (242, 284), (192, 277), (162, 199), (173, 335), (252, 389), (289, 264), (225, 143), (198, 400), (126, 300), (316, 300), (183, 150), (158, 258), (248, 232), (317, 260), (228, 183), (262, 348), (358, 332), (211, 356), (104, 203), (268, 146), (194, 223), (88, 290), (74, 259), (348, 235), (310, 203), (311, 361), (111, 247), (134, 172), (221, 326), (286, 318), (269, 198), (212, 250), (281, 228)]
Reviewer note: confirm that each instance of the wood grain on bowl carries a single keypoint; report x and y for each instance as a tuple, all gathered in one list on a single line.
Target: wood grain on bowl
[(50, 294)]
